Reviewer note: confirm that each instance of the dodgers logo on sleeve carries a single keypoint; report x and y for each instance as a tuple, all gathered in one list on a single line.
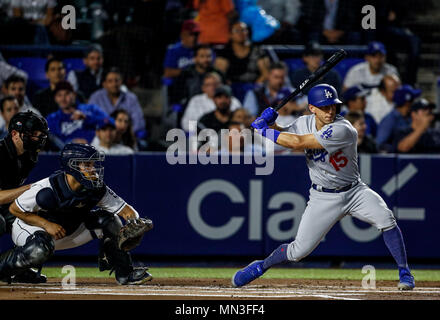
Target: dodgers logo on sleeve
[(327, 133), (316, 154)]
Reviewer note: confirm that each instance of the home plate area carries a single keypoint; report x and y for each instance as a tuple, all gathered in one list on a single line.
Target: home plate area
[(212, 289)]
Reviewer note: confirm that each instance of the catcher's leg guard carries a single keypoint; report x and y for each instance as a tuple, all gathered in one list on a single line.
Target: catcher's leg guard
[(119, 261), (110, 226), (38, 248)]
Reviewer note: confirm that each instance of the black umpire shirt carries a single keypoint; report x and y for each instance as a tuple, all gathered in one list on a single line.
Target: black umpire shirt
[(14, 169)]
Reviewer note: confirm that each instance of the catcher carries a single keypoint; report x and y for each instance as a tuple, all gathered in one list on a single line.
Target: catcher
[(67, 210)]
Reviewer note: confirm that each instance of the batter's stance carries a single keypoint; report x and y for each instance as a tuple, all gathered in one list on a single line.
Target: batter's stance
[(329, 142)]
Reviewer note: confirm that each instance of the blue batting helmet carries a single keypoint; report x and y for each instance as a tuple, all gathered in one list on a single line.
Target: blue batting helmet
[(84, 163), (323, 95)]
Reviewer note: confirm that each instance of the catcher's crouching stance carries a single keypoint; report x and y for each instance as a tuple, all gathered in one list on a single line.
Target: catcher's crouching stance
[(69, 209)]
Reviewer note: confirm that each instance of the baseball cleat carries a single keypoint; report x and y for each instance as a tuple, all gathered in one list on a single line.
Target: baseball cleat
[(253, 271), (29, 276), (406, 280), (138, 276)]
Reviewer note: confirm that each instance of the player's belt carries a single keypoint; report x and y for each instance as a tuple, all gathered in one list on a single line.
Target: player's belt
[(342, 189)]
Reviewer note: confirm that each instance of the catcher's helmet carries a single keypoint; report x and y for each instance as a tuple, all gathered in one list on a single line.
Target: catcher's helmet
[(323, 95), (84, 163), (27, 123)]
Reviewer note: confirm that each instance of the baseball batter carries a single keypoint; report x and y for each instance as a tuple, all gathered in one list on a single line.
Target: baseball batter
[(329, 143)]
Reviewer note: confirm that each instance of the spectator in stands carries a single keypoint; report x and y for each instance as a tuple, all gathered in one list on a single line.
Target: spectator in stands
[(365, 144), (203, 103), (242, 116), (6, 70), (105, 140), (214, 17), (398, 119), (16, 86), (73, 122), (271, 92), (331, 21), (189, 82), (241, 60), (392, 28), (219, 118), (370, 73), (313, 58), (111, 97), (124, 129), (354, 100), (40, 14), (180, 55), (287, 12), (380, 100), (419, 136), (88, 80), (44, 99), (8, 108)]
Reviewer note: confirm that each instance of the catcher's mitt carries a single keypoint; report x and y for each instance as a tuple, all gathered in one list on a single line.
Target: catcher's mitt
[(130, 235)]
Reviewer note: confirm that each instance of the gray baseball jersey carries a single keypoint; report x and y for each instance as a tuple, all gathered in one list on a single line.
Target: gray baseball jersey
[(333, 167), (337, 165)]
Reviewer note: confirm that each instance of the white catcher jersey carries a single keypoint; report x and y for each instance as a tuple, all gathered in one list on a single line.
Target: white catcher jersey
[(336, 165), (27, 202)]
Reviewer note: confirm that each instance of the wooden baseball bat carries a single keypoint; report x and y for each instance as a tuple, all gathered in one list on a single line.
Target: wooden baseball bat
[(314, 77)]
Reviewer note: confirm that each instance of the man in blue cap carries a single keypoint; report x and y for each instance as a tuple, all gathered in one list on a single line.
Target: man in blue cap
[(273, 91), (329, 143), (370, 73), (354, 99), (398, 119), (421, 136)]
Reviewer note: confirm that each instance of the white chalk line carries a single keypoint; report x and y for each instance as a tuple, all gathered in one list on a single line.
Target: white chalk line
[(325, 292), (196, 294)]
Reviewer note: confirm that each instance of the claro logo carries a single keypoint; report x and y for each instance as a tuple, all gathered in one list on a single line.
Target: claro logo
[(255, 214)]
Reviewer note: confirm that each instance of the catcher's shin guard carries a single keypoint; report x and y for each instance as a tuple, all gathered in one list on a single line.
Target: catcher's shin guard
[(110, 226), (116, 259), (38, 248)]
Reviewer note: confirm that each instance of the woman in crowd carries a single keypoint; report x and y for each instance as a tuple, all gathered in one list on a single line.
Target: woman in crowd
[(124, 129), (240, 60)]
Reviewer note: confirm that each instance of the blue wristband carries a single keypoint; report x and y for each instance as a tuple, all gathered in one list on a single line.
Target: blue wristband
[(271, 134)]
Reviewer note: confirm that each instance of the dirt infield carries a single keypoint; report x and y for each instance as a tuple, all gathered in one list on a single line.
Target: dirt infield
[(212, 289)]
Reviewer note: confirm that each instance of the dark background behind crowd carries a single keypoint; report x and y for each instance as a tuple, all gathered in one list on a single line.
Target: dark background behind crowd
[(133, 69)]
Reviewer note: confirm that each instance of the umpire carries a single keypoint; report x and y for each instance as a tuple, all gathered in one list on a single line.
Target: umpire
[(27, 135)]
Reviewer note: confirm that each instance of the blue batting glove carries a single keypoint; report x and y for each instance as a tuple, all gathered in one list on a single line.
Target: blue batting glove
[(262, 128), (270, 115), (259, 124)]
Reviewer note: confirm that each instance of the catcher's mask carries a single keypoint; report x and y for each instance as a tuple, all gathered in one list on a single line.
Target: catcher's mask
[(28, 124), (85, 163)]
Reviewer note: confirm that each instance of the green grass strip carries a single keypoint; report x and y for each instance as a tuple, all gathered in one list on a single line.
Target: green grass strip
[(281, 273)]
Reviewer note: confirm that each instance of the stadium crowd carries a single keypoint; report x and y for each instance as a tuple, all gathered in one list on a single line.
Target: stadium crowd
[(210, 61)]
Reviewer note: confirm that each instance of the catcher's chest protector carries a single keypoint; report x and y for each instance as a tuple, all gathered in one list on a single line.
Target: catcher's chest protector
[(70, 207)]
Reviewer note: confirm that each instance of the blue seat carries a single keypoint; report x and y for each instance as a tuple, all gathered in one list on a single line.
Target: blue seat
[(239, 89), (345, 65), (294, 64), (342, 67), (74, 64), (33, 66)]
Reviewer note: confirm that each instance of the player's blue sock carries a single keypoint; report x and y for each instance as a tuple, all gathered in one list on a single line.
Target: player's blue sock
[(394, 241), (277, 256)]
